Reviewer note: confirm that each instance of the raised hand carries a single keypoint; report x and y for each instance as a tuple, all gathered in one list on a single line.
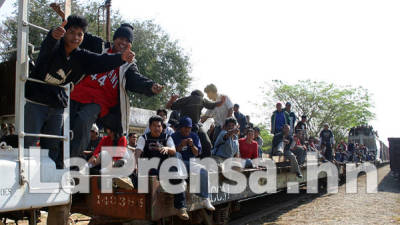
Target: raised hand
[(174, 98), (59, 32), (157, 88), (128, 55)]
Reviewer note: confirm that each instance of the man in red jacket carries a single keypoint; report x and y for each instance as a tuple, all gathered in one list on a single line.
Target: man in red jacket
[(103, 94), (248, 147)]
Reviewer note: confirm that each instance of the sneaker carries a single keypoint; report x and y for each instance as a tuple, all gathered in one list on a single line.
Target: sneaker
[(207, 204), (182, 214), (299, 175)]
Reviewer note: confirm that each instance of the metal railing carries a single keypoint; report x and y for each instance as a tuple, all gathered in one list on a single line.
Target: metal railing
[(22, 72)]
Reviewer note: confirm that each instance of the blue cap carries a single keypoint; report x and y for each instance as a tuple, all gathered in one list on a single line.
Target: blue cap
[(185, 122), (288, 103)]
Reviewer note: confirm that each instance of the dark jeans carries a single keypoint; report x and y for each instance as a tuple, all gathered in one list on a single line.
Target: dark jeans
[(45, 120), (217, 130), (205, 141), (180, 198), (82, 118), (328, 152)]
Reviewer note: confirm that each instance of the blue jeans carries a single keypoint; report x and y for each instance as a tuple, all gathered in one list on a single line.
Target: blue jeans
[(203, 179), (45, 120), (82, 118)]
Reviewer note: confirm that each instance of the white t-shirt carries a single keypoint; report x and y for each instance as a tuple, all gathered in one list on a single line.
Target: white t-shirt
[(142, 142), (220, 113)]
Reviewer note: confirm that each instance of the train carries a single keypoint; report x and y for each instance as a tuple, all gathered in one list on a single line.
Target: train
[(366, 135), (21, 197)]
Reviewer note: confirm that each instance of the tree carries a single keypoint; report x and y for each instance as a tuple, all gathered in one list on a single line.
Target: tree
[(342, 107), (266, 137), (158, 57)]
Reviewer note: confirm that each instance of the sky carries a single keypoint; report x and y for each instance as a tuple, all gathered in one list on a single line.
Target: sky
[(240, 45)]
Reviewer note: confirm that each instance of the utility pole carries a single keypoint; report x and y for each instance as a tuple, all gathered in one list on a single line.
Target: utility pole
[(108, 24)]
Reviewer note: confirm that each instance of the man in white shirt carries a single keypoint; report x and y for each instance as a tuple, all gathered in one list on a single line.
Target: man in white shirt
[(220, 113), (158, 144)]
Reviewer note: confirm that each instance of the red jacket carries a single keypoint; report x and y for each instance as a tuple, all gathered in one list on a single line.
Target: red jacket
[(248, 151), (108, 142), (101, 88)]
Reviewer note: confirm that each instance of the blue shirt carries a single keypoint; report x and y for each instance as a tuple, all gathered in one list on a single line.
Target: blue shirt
[(226, 148), (186, 151), (279, 121)]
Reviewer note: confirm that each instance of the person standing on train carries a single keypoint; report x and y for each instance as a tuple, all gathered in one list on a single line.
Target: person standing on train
[(301, 126), (158, 144), (106, 94), (191, 106), (259, 140), (241, 119), (281, 145), (327, 140), (220, 113), (60, 62), (187, 144), (278, 119), (292, 116)]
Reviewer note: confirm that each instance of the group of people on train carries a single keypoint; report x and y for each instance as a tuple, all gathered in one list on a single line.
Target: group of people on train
[(103, 78)]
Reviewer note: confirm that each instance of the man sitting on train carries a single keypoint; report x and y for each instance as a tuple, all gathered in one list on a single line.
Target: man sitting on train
[(299, 149), (188, 145), (281, 145), (248, 147), (166, 127), (157, 143), (227, 145), (61, 61), (106, 94), (114, 138)]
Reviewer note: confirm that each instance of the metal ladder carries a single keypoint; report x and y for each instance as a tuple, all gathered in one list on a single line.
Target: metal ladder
[(22, 75)]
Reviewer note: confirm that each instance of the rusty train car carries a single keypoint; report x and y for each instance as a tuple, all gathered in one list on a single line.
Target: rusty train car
[(127, 206)]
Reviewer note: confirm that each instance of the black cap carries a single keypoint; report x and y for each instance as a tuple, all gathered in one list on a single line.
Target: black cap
[(126, 31), (112, 121)]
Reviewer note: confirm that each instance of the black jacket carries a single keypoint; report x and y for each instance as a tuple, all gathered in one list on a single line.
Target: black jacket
[(54, 67), (192, 105)]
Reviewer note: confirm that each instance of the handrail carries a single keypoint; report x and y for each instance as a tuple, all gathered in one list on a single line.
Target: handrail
[(42, 82), (43, 135), (22, 74), (36, 26)]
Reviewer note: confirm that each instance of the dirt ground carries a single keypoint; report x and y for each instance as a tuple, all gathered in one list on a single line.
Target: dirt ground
[(341, 208)]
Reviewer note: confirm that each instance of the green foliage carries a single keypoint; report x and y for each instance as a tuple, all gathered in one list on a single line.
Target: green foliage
[(161, 60), (158, 57), (266, 136), (342, 107)]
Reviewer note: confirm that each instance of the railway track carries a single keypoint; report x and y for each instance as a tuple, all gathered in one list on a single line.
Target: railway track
[(270, 205)]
